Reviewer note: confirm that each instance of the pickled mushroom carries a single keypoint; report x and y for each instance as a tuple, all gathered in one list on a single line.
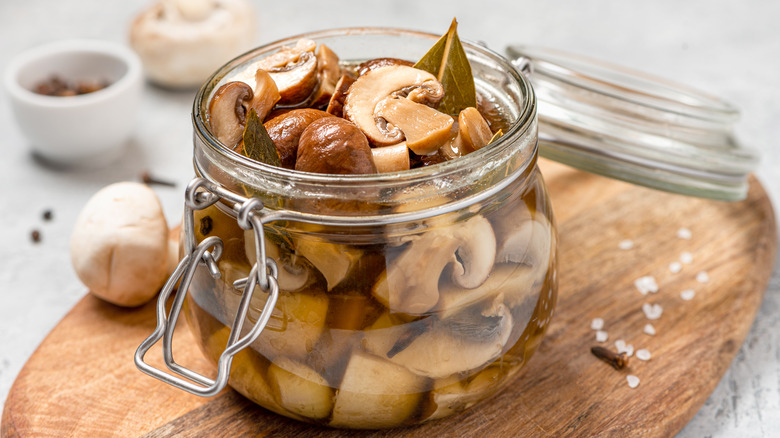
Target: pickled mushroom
[(328, 75), (393, 158), (376, 85), (376, 393), (300, 389), (473, 131), (465, 343), (411, 282), (228, 111), (293, 275), (424, 128), (454, 395), (333, 260), (294, 70), (285, 130)]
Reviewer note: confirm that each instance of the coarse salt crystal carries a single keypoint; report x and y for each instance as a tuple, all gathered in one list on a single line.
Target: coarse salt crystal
[(643, 354), (633, 381), (597, 324), (649, 329), (687, 294), (646, 284), (652, 311), (686, 258), (626, 244), (684, 233), (675, 267), (601, 336), (622, 347), (703, 277)]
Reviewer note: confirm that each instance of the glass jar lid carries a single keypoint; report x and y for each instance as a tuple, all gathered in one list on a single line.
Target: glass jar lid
[(634, 127)]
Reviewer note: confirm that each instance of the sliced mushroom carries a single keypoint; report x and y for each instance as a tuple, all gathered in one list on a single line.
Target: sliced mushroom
[(376, 85), (227, 111), (473, 131), (411, 282), (454, 395), (300, 389), (247, 372), (393, 158), (293, 275), (424, 128), (448, 347), (266, 94), (335, 146), (294, 69), (509, 283), (295, 325), (376, 393), (286, 129), (532, 246), (334, 261), (336, 103), (328, 74), (376, 63)]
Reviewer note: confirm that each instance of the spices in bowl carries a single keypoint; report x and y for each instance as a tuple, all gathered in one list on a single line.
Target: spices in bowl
[(84, 129)]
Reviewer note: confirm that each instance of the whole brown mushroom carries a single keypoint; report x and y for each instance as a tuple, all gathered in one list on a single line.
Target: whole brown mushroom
[(336, 146), (286, 129)]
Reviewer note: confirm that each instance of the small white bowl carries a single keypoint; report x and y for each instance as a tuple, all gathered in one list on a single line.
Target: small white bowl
[(84, 129)]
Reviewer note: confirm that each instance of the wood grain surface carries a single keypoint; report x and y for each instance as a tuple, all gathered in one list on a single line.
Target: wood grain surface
[(81, 381)]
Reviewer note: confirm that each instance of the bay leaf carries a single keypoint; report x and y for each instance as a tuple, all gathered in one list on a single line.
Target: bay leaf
[(257, 143), (448, 62)]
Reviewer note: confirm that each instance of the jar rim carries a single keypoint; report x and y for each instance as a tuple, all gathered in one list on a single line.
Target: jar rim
[(516, 129)]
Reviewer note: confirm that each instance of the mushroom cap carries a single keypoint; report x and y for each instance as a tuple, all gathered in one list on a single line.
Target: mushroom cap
[(335, 146), (377, 63), (286, 129), (227, 111), (119, 244), (473, 130), (376, 85), (182, 42)]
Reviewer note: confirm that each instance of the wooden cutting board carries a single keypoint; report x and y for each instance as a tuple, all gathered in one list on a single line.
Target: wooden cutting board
[(81, 381)]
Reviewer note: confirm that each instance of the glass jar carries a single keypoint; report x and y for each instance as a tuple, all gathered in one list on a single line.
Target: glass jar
[(402, 297)]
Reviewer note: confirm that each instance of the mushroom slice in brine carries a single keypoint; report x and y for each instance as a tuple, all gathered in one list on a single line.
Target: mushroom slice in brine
[(411, 282), (376, 393), (447, 347)]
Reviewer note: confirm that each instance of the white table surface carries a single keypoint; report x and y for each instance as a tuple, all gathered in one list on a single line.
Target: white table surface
[(727, 48)]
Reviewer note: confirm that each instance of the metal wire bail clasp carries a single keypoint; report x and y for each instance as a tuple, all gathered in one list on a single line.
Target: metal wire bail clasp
[(199, 195)]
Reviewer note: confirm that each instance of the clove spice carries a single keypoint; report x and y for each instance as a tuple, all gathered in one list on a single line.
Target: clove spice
[(617, 360), (148, 179)]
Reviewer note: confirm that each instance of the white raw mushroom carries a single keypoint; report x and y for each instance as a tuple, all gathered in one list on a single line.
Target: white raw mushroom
[(119, 246), (182, 42)]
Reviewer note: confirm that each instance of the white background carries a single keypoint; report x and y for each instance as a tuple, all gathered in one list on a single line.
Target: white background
[(731, 49)]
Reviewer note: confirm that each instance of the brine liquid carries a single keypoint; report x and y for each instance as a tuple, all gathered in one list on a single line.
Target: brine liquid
[(337, 351)]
